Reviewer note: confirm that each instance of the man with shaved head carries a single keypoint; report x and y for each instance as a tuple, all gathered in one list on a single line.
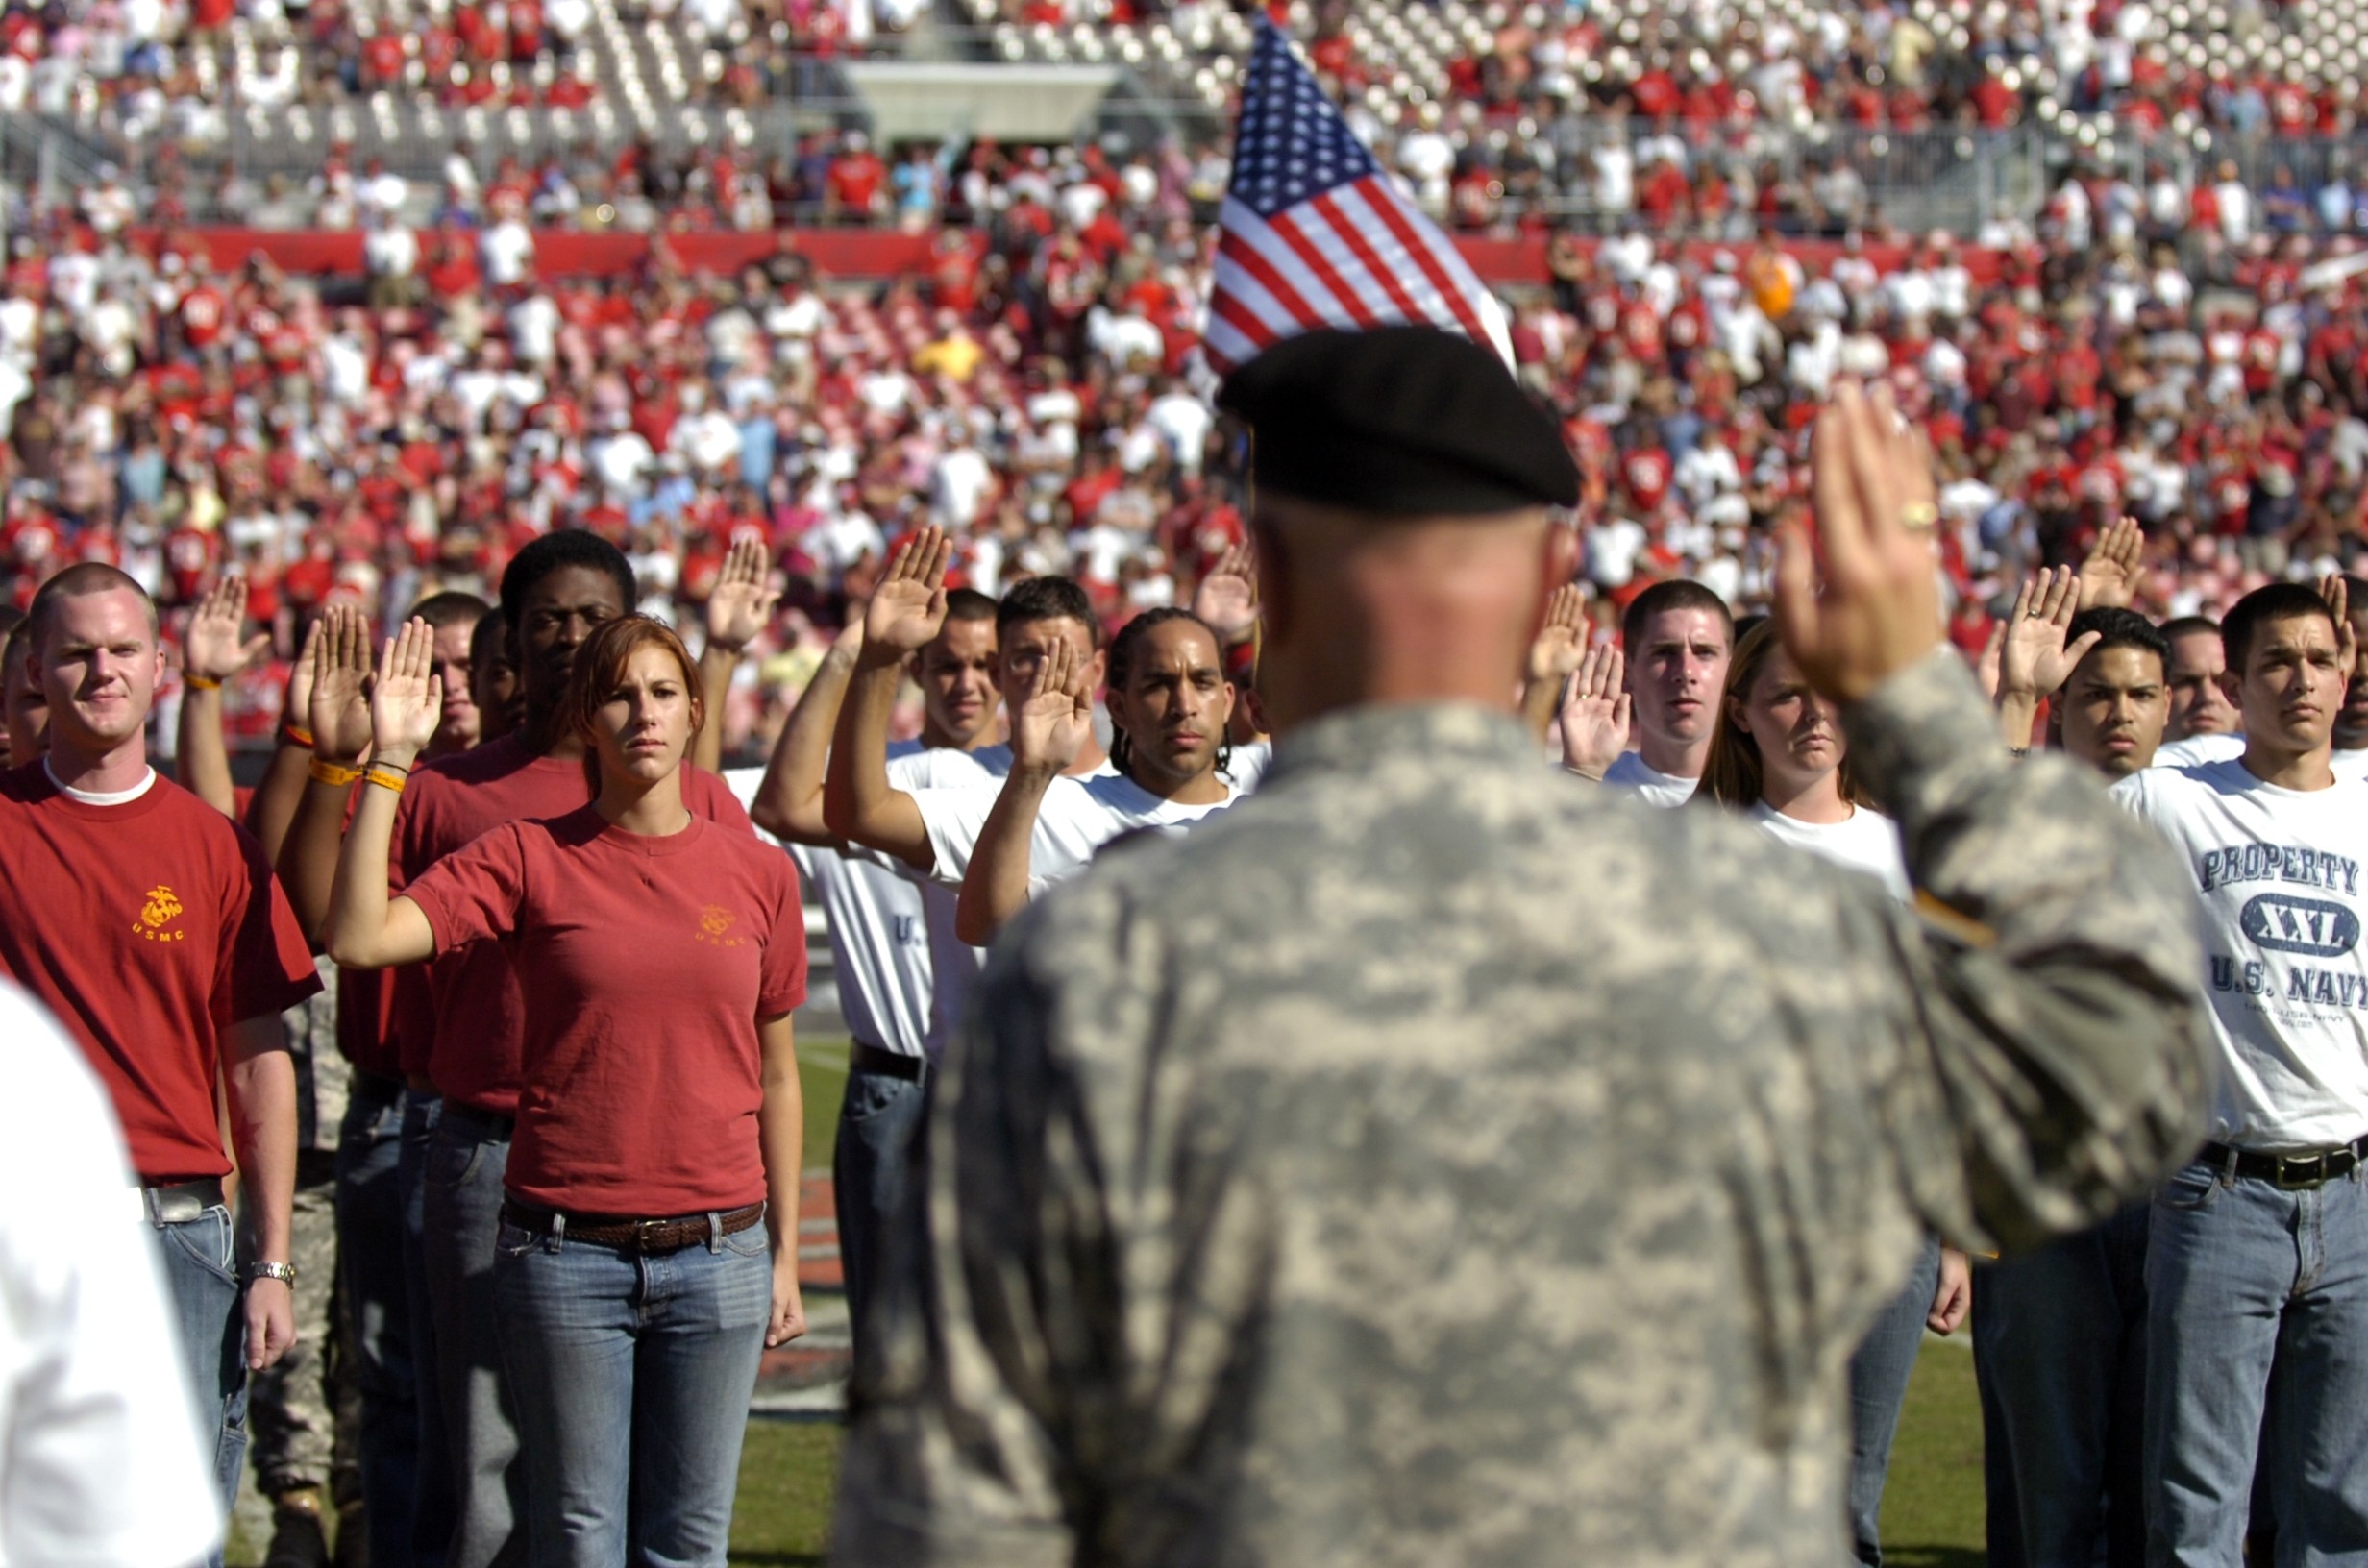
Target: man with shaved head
[(1436, 1160)]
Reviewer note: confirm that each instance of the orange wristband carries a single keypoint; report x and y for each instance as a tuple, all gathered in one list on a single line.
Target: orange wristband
[(329, 773), (385, 780), (201, 683)]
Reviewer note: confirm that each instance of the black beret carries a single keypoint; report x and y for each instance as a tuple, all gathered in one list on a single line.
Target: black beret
[(1401, 421)]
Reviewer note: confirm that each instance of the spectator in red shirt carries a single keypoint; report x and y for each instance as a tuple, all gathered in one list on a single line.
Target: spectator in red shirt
[(149, 923), (660, 1115), (856, 179)]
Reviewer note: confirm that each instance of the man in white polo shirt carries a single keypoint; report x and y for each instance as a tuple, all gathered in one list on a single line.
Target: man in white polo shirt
[(2257, 1257)]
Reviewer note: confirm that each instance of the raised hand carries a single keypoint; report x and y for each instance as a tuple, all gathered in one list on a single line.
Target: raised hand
[(2338, 595), (1227, 598), (211, 649), (2034, 659), (297, 707), (406, 700), (2109, 577), (743, 601), (1056, 718), (1595, 713), (1560, 643), (1872, 607), (909, 607), (1993, 652), (340, 709)]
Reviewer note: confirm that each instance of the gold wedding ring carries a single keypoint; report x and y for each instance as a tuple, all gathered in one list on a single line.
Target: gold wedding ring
[(1918, 514)]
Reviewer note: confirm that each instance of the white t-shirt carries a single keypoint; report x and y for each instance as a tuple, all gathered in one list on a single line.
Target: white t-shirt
[(1078, 816), (2287, 977), (954, 962), (100, 1459), (880, 939), (1651, 784), (2197, 749), (1865, 840)]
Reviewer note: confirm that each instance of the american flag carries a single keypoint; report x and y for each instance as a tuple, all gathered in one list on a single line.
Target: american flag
[(1313, 233)]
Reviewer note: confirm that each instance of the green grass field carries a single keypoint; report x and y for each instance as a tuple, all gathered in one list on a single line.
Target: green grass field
[(1932, 1513)]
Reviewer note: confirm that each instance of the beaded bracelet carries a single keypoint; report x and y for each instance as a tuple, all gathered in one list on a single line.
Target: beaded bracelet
[(334, 773)]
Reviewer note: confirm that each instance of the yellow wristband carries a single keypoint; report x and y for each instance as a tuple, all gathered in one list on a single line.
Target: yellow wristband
[(329, 773), (201, 683), (385, 780)]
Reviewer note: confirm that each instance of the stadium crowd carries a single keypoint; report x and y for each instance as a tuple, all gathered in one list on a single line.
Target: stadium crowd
[(423, 536), (1037, 394)]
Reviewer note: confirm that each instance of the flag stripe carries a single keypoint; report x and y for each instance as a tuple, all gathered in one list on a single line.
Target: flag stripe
[(1425, 286), (1386, 207), (1338, 286), (1240, 245), (1312, 234), (1351, 234)]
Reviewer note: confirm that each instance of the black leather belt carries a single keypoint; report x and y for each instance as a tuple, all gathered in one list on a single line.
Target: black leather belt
[(629, 1235), (177, 1203), (484, 1124), (2294, 1172), (862, 1058)]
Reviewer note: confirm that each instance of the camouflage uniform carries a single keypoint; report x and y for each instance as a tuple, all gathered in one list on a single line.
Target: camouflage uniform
[(292, 1405), (1440, 1160)]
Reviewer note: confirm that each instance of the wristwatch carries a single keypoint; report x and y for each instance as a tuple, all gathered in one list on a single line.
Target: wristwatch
[(285, 1273)]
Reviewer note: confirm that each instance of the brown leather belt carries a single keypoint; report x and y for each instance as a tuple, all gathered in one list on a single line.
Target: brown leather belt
[(644, 1235)]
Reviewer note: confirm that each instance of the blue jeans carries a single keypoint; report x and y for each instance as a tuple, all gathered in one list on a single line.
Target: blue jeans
[(460, 1211), (378, 1307), (431, 1507), (2242, 1276), (200, 1265), (2059, 1350), (633, 1374), (874, 1174), (1879, 1373)]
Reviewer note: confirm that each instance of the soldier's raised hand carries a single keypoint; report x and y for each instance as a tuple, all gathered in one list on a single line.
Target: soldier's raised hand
[(211, 647), (1859, 602), (2109, 577), (2035, 657), (1595, 713), (1227, 598), (1051, 725), (743, 601), (406, 700), (1555, 653), (909, 607), (340, 710)]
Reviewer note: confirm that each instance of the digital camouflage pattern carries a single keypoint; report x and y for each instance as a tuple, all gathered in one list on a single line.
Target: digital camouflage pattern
[(1438, 1160)]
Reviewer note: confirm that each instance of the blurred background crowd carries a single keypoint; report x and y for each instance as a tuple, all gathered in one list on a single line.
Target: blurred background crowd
[(2154, 308)]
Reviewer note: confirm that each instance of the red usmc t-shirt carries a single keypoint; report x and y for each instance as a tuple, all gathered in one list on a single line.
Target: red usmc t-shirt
[(646, 963), (470, 1008), (148, 929)]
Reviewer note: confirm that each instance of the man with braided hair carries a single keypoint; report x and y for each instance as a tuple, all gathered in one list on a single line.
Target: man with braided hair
[(1170, 706)]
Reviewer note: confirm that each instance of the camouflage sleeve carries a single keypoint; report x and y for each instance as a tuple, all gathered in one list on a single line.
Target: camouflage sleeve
[(951, 1458), (2045, 988)]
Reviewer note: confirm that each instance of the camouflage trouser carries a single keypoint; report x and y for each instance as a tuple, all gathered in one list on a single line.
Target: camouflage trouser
[(292, 1407)]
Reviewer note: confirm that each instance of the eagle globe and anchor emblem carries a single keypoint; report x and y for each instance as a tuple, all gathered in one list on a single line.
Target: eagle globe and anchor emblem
[(161, 908)]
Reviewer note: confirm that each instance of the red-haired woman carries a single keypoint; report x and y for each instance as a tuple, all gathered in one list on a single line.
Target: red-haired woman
[(649, 1243)]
